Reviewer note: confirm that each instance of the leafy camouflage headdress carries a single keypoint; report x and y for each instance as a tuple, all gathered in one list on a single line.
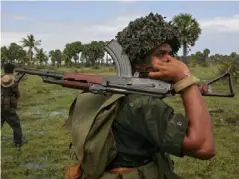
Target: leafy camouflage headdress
[(144, 34)]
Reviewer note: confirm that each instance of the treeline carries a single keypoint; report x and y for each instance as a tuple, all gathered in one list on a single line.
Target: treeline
[(29, 52), (205, 59)]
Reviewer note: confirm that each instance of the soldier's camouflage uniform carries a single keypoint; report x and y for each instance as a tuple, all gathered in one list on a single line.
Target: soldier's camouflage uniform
[(137, 133), (9, 98)]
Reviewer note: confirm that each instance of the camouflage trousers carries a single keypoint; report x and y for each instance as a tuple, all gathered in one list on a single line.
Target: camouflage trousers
[(14, 122)]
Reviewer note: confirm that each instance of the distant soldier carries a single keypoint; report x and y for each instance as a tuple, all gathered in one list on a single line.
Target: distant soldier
[(9, 99)]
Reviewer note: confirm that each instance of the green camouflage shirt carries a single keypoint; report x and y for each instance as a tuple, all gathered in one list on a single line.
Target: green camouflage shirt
[(9, 97), (144, 126)]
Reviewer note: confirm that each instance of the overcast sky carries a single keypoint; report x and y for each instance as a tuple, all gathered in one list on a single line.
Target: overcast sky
[(57, 23)]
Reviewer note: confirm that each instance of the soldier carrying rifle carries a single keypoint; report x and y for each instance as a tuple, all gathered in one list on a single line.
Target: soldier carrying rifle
[(133, 136), (9, 99)]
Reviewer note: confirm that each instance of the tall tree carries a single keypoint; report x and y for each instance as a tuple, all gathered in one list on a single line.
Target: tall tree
[(66, 59), (73, 49), (52, 57), (16, 53), (76, 49), (206, 53), (4, 55), (233, 55), (41, 56), (189, 30), (94, 51), (199, 57), (31, 44), (56, 57), (217, 57)]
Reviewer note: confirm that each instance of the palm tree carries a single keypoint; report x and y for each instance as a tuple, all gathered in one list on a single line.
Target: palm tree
[(41, 56), (189, 30), (31, 44), (206, 53), (52, 55)]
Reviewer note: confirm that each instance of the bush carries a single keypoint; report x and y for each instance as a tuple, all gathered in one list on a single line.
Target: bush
[(231, 66), (96, 67)]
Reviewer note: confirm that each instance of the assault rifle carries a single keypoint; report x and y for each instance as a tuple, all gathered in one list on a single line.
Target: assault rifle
[(123, 83)]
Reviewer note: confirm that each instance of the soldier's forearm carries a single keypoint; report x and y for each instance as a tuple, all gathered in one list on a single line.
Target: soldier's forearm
[(199, 134)]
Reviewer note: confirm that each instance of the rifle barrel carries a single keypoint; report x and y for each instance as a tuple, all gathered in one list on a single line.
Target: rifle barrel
[(40, 73)]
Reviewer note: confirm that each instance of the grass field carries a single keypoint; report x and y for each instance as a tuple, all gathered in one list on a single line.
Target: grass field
[(43, 108)]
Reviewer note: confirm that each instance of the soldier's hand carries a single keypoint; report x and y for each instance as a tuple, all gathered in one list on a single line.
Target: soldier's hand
[(169, 69)]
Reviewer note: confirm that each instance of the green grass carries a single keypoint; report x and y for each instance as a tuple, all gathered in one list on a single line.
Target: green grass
[(43, 109)]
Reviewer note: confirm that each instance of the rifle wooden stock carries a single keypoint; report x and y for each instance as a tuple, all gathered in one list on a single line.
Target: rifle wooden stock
[(83, 78), (81, 81)]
